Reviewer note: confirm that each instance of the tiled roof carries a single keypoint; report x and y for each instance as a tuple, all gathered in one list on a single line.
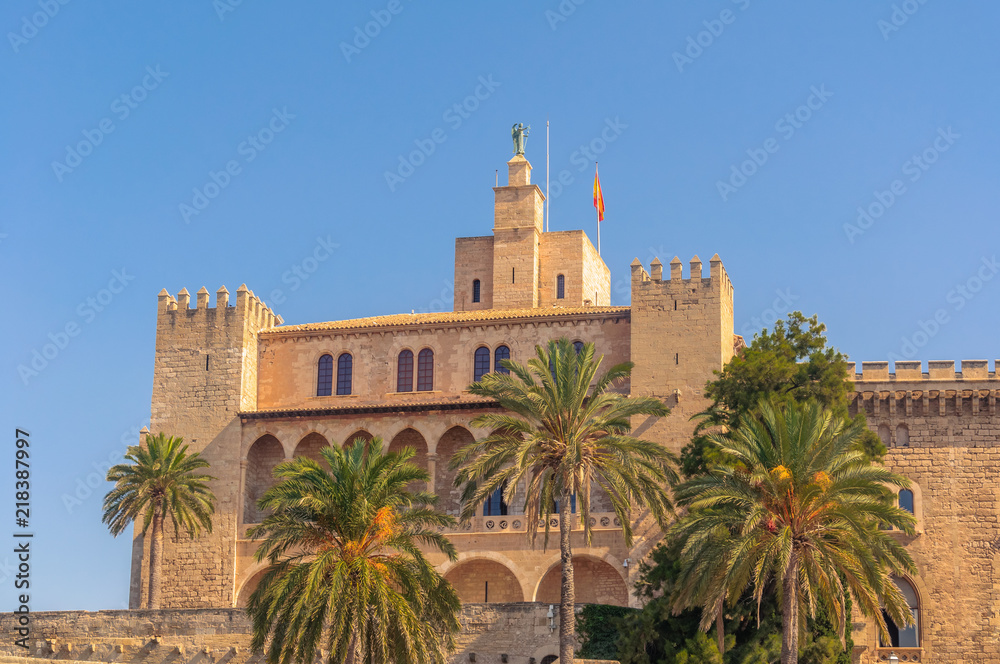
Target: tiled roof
[(352, 406), (482, 315)]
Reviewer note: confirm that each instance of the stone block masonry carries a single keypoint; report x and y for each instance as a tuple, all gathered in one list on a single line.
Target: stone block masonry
[(222, 636)]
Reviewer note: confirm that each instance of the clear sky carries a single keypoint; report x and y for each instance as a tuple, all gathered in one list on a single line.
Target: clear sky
[(117, 114)]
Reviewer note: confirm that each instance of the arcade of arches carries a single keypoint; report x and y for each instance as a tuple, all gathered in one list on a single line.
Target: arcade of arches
[(477, 579), (597, 582), (484, 581)]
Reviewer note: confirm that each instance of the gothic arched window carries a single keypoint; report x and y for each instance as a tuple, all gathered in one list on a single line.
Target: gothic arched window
[(345, 369), (482, 363), (425, 370), (500, 354), (324, 378), (907, 637), (404, 371)]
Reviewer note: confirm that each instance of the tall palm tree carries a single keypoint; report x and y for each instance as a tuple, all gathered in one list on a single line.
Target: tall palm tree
[(794, 504), (561, 431), (159, 483), (346, 572)]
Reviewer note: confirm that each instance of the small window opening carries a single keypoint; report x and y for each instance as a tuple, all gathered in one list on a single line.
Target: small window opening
[(906, 500), (481, 363), (511, 275), (475, 290), (206, 362), (560, 287)]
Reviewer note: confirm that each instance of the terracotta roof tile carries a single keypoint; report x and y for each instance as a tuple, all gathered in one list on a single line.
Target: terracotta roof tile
[(392, 404), (482, 315)]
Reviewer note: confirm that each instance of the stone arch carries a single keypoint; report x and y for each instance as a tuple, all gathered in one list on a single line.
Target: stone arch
[(264, 455), (249, 586), (902, 436), (912, 636), (484, 580), (360, 433), (310, 445), (410, 437), (885, 435), (449, 496), (918, 504), (597, 582)]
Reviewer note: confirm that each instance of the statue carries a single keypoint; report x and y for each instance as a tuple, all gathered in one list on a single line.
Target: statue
[(519, 134)]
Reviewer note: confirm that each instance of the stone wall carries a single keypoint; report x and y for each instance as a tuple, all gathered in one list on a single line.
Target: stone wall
[(942, 429), (473, 260), (222, 636), (289, 356), (204, 374)]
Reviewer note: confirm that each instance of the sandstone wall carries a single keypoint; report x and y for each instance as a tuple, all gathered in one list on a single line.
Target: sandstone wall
[(942, 429), (288, 358), (473, 260), (222, 636), (204, 374)]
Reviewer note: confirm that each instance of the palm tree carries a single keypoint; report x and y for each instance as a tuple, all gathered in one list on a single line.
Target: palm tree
[(561, 431), (160, 482), (346, 572), (793, 504)]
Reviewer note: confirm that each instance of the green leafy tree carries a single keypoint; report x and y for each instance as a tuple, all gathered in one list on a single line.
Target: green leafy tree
[(793, 501), (346, 573), (792, 363), (159, 482), (562, 431)]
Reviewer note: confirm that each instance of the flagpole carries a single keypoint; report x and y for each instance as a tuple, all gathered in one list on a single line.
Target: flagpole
[(598, 215), (546, 175)]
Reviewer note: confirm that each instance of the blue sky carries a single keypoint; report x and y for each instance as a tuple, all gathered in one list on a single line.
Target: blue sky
[(115, 114)]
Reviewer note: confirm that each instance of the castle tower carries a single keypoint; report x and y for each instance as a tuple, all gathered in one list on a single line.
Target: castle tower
[(682, 331), (205, 372), (521, 266)]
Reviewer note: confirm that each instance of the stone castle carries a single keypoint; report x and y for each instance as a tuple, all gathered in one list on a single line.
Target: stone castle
[(249, 392)]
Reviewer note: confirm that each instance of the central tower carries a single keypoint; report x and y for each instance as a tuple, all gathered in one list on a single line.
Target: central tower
[(522, 267)]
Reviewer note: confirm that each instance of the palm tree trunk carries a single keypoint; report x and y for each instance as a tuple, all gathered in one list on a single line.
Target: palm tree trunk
[(720, 627), (790, 612), (567, 606), (156, 560)]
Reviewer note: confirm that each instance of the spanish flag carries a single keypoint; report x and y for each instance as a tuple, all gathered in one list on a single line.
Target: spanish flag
[(598, 196)]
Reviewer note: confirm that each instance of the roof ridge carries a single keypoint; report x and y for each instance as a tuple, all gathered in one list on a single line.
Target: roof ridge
[(392, 320)]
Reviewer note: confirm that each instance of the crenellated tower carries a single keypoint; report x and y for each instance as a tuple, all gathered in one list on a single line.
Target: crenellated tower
[(682, 332), (204, 374), (522, 266)]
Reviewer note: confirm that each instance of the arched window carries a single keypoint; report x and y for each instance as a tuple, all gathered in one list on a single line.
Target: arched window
[(324, 380), (345, 368), (885, 435), (495, 505), (404, 371), (572, 504), (908, 637), (425, 370), (476, 290), (902, 436), (482, 363), (578, 345), (906, 500), (560, 287), (500, 354)]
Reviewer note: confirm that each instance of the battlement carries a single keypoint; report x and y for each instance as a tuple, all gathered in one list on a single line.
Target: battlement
[(937, 370), (246, 302), (675, 281)]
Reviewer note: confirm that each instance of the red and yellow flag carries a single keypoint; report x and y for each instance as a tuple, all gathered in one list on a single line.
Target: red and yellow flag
[(598, 196)]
